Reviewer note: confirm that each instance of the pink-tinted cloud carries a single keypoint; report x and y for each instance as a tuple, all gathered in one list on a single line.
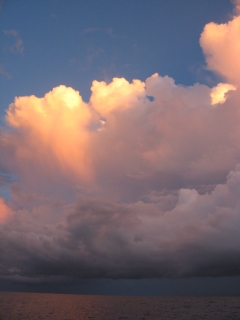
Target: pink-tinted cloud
[(119, 94), (220, 44), (5, 211), (121, 140), (51, 132), (141, 181)]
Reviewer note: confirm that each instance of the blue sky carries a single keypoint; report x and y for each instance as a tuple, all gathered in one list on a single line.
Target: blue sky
[(102, 189)]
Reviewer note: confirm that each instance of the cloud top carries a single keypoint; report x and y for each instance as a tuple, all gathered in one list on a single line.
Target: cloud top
[(220, 46)]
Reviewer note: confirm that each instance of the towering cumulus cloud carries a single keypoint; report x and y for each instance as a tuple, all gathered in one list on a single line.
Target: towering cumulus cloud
[(51, 131), (141, 181)]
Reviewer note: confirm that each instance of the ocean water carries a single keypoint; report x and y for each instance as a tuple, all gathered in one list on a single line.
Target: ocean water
[(18, 306)]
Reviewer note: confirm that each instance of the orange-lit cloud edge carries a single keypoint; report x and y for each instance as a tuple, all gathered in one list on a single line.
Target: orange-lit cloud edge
[(132, 183)]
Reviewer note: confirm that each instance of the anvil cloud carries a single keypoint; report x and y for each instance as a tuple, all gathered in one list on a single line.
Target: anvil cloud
[(141, 181)]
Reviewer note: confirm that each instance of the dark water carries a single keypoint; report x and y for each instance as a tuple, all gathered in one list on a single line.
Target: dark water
[(62, 306)]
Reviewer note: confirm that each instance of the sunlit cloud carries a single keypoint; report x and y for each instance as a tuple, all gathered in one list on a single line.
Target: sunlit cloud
[(52, 130), (5, 211), (119, 94), (218, 93), (220, 44)]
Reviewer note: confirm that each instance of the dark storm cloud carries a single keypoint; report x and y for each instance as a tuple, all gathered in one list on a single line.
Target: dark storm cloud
[(96, 238)]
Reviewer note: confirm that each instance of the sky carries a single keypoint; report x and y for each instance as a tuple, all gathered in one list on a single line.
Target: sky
[(120, 154)]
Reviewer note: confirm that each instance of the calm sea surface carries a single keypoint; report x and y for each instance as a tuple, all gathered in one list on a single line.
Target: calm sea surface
[(15, 305)]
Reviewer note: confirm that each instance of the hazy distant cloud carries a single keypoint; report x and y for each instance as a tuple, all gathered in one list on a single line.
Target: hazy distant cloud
[(92, 55), (4, 73), (17, 47), (90, 30), (108, 31), (237, 6), (143, 180), (1, 4), (54, 16)]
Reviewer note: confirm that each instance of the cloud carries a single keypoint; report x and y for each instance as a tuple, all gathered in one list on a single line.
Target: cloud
[(108, 31), (138, 164), (1, 5), (90, 30), (17, 47), (141, 181), (218, 94), (51, 131), (237, 6), (3, 72), (5, 212), (220, 46), (121, 140), (198, 236), (119, 94)]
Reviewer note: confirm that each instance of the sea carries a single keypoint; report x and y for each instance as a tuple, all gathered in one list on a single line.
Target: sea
[(15, 305)]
